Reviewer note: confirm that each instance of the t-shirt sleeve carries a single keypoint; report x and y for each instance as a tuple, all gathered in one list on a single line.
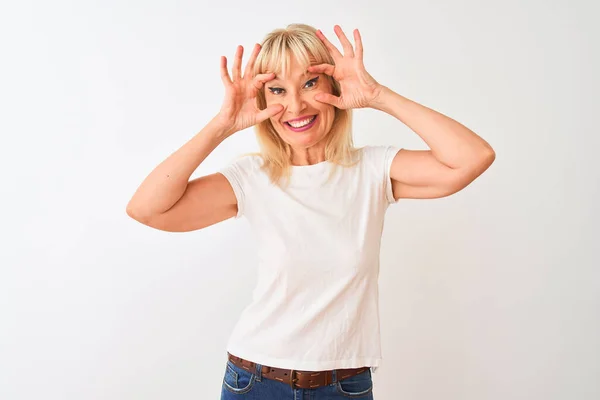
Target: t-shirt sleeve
[(238, 173), (382, 157), (390, 153)]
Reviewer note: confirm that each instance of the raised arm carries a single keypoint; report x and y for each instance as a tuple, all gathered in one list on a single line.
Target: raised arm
[(457, 154), (456, 157), (166, 199)]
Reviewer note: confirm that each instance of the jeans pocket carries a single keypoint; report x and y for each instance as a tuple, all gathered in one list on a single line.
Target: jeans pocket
[(357, 385), (237, 380)]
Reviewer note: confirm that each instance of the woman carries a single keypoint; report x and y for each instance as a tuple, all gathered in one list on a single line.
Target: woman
[(316, 204)]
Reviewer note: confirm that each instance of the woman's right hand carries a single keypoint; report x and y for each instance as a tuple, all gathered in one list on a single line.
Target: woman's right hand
[(239, 110)]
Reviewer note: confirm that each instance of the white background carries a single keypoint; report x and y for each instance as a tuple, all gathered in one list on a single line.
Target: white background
[(492, 293)]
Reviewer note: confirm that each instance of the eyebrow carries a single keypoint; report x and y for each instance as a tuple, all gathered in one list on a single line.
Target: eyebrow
[(306, 73)]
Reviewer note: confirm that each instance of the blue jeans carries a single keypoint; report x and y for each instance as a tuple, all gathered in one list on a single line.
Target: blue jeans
[(243, 385)]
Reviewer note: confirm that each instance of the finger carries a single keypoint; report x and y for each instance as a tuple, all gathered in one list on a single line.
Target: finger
[(269, 112), (224, 73), (260, 79), (328, 99), (327, 69), (348, 50), (358, 44), (250, 66), (237, 63), (335, 53)]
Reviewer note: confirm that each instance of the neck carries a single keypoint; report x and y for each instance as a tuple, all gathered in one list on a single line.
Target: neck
[(308, 156)]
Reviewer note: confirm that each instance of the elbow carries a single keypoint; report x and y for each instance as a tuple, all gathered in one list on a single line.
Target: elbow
[(134, 212), (488, 156), (130, 211), (465, 175), (484, 160), (483, 156), (478, 165)]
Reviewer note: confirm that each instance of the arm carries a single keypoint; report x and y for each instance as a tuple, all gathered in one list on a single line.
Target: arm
[(456, 158), (457, 155), (166, 200)]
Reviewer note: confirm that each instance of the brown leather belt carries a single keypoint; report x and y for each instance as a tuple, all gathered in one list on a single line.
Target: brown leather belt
[(295, 378)]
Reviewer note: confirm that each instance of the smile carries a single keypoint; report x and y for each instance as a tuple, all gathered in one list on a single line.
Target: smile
[(300, 126)]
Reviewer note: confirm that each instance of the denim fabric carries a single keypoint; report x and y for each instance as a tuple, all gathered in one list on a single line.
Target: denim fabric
[(243, 385)]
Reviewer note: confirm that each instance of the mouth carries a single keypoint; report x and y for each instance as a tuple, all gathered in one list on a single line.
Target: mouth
[(303, 125)]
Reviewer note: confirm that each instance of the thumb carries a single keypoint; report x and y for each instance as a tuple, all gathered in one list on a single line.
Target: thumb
[(329, 99), (269, 112)]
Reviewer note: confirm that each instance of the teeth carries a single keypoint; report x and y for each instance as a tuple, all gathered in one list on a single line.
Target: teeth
[(300, 124)]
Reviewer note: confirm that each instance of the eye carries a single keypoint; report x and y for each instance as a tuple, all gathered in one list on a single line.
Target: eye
[(274, 90), (313, 81)]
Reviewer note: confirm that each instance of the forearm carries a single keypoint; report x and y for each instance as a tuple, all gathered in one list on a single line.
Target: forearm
[(165, 185), (451, 143)]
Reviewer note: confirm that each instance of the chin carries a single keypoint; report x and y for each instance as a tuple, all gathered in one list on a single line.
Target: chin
[(303, 139)]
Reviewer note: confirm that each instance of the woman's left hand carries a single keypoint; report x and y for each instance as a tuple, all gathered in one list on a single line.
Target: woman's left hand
[(358, 88)]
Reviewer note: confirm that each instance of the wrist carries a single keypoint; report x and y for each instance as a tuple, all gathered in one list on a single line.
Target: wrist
[(379, 100), (220, 129)]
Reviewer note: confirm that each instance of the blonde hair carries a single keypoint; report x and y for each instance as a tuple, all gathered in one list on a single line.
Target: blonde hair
[(299, 41)]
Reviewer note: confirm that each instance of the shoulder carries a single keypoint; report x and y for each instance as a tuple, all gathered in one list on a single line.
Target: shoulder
[(246, 162), (379, 156), (251, 160), (243, 167), (378, 161)]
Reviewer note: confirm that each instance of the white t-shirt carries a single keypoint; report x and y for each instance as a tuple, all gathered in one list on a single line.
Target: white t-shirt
[(316, 302)]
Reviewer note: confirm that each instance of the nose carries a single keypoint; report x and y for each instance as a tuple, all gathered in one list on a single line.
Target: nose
[(295, 104)]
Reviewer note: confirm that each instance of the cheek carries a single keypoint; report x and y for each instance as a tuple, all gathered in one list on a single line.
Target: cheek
[(328, 112)]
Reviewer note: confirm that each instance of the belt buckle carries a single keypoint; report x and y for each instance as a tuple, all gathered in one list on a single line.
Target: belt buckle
[(292, 378)]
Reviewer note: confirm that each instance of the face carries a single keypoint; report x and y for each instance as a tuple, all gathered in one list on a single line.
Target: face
[(304, 121)]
